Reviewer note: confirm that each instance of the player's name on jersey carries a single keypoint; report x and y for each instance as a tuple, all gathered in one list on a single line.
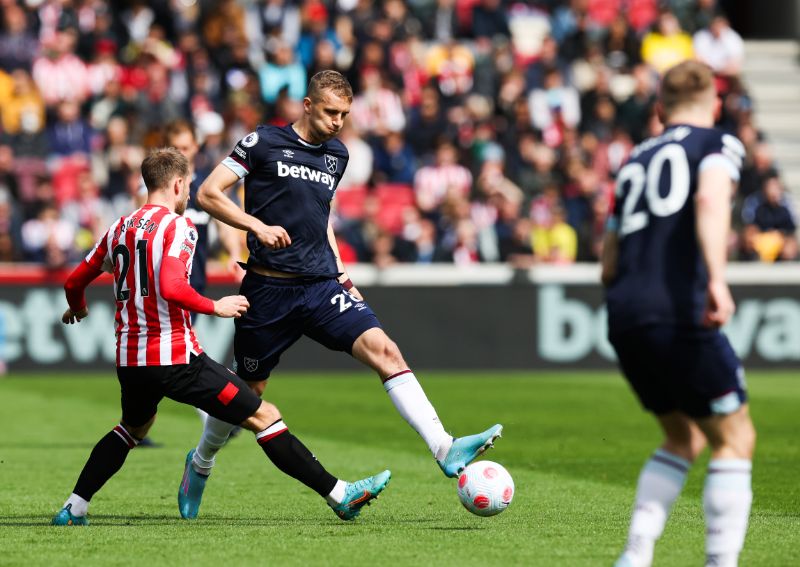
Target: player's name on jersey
[(674, 135)]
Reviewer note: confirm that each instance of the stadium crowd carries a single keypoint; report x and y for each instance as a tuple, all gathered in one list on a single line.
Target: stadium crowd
[(480, 131)]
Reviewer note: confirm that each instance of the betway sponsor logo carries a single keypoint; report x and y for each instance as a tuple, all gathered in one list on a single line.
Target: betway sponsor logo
[(570, 329), (306, 173)]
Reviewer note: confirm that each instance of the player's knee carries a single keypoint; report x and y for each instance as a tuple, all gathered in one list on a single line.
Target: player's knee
[(140, 431), (265, 415), (258, 387)]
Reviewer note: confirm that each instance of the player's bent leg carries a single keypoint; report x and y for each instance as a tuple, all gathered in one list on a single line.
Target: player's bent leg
[(378, 351), (727, 495), (660, 483), (105, 460)]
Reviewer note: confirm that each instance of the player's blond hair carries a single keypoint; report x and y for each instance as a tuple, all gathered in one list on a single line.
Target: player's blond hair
[(685, 84), (332, 81), (161, 166)]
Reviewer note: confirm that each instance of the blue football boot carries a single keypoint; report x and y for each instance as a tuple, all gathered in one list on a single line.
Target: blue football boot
[(190, 492), (65, 518), (360, 493), (465, 449)]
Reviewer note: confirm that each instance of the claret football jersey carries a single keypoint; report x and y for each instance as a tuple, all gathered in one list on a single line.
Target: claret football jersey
[(661, 277), (289, 182)]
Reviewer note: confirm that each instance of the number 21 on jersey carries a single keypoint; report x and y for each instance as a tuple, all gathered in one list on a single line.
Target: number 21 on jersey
[(646, 183)]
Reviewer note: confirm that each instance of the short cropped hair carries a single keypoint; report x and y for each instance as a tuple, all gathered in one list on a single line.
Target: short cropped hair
[(177, 127), (329, 81), (685, 83), (161, 166)]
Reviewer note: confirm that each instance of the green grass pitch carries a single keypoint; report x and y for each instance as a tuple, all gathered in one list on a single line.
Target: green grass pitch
[(574, 443)]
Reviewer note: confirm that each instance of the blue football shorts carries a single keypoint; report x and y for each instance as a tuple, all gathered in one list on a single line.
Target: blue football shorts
[(284, 309), (677, 368)]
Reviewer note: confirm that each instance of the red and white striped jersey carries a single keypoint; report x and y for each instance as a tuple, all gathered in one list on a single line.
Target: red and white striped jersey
[(150, 330)]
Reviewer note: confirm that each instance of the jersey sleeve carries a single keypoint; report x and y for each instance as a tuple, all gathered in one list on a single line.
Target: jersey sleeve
[(246, 155), (95, 263), (724, 151), (180, 240)]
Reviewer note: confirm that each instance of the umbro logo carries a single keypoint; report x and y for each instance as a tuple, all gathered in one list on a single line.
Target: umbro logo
[(288, 154)]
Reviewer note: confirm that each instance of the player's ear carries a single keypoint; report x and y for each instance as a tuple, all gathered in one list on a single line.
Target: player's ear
[(660, 112)]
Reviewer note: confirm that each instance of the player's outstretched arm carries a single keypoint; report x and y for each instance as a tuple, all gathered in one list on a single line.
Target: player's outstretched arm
[(712, 225), (231, 306), (75, 288), (211, 196)]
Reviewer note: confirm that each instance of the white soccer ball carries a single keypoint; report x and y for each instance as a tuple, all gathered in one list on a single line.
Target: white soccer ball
[(485, 488)]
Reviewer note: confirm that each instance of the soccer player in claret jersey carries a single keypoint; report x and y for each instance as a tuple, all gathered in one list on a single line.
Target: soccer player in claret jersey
[(664, 268), (150, 255), (296, 283)]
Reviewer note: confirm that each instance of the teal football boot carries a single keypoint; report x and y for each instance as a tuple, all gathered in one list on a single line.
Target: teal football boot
[(190, 492), (65, 518), (465, 449), (360, 493)]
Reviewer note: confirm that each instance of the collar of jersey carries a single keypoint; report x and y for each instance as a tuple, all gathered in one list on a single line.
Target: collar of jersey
[(301, 140)]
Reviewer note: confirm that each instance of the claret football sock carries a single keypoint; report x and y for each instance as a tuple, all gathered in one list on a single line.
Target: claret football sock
[(106, 459), (215, 435), (727, 497), (289, 454), (411, 402), (660, 483)]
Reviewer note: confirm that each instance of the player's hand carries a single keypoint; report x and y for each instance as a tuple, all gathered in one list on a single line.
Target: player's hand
[(274, 237), (69, 317), (719, 305), (357, 294), (231, 306)]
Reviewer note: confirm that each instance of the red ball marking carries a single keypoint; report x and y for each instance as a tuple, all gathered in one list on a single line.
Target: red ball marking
[(490, 472), (462, 481), (481, 501), (508, 492)]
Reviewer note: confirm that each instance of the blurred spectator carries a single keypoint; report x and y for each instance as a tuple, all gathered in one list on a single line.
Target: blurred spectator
[(432, 183), (667, 45), (58, 72), (282, 72), (69, 134), (23, 108), (554, 107), (18, 44), (554, 240), (377, 109), (621, 45), (769, 219), (720, 47), (394, 160), (48, 239)]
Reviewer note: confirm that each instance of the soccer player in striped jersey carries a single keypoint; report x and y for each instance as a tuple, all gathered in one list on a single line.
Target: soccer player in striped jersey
[(150, 256), (664, 269)]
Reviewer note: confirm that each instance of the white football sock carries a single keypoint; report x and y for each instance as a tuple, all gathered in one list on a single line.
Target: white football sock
[(203, 415), (337, 494), (79, 506), (660, 482), (726, 501), (412, 403), (215, 434)]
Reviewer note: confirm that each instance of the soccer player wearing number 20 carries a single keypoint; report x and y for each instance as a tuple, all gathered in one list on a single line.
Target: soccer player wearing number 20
[(150, 255), (295, 282), (664, 270)]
